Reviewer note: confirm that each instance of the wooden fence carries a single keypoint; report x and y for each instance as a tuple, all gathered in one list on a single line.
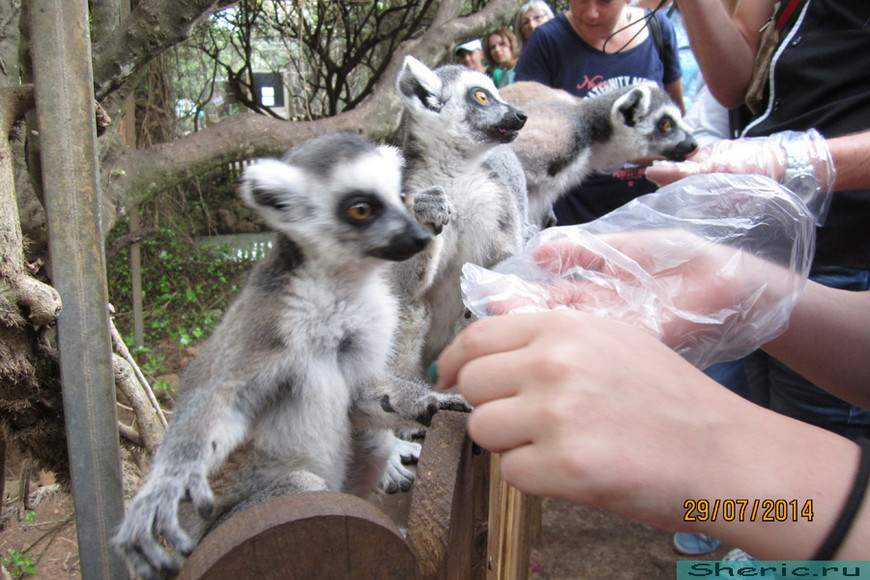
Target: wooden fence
[(464, 523)]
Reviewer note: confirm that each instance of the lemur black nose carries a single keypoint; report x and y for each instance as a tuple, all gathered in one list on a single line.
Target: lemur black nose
[(405, 244), (682, 149), (520, 118)]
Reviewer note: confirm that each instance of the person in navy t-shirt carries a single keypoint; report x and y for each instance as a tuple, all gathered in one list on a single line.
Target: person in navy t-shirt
[(597, 45)]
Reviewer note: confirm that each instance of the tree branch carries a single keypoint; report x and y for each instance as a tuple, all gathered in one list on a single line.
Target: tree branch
[(132, 176), (152, 27), (150, 426)]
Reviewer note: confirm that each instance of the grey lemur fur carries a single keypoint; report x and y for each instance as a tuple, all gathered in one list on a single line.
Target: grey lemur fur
[(566, 138), (293, 392), (465, 186)]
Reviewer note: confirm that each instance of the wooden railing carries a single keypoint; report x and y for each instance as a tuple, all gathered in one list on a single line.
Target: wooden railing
[(464, 523)]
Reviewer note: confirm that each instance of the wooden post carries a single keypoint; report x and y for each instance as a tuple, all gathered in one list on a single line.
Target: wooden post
[(65, 111), (512, 523), (441, 525)]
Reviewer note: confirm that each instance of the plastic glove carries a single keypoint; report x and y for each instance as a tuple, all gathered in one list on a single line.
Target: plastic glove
[(711, 265), (761, 156)]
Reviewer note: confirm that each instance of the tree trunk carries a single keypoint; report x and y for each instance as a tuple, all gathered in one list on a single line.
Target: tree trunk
[(31, 408)]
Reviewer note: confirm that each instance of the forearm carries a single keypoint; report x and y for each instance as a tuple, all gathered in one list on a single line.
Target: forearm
[(789, 461), (713, 34), (827, 341), (850, 160), (675, 91)]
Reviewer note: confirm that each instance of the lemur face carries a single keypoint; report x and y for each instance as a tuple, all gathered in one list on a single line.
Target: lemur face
[(357, 210), (647, 112), (457, 102)]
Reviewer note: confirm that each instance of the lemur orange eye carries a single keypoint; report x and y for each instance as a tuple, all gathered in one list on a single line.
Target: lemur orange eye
[(404, 197), (481, 97), (360, 211), (666, 125)]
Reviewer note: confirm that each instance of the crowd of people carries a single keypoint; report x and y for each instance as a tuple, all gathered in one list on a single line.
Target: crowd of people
[(601, 413), (499, 51)]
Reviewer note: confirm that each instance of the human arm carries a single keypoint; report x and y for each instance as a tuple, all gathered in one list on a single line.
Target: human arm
[(765, 156), (675, 91), (672, 76), (828, 341), (849, 153), (715, 34), (599, 412)]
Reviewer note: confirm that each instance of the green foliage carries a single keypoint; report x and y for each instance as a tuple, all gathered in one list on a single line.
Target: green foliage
[(19, 565), (185, 289)]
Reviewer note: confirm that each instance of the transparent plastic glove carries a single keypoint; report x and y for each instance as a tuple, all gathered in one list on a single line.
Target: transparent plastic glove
[(761, 156), (711, 265)]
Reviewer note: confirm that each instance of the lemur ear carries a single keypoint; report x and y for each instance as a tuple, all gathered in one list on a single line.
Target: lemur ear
[(394, 154), (419, 86), (277, 189), (632, 105)]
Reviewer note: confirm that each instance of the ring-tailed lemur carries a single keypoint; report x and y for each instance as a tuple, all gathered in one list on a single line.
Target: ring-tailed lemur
[(293, 392), (566, 137), (465, 185)]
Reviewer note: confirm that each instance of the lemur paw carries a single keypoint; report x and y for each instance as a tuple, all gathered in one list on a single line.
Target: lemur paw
[(435, 402), (408, 452), (432, 209), (396, 476), (154, 515)]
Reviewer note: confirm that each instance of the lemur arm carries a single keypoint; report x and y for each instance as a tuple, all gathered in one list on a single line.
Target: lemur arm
[(413, 277), (205, 430), (396, 403)]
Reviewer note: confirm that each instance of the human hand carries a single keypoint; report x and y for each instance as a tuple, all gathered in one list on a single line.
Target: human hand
[(692, 294), (761, 156), (711, 266), (587, 409)]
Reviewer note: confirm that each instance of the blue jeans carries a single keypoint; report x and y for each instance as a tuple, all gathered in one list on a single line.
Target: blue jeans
[(776, 386), (731, 374)]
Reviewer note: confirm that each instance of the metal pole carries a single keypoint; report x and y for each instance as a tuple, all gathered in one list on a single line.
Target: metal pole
[(65, 112)]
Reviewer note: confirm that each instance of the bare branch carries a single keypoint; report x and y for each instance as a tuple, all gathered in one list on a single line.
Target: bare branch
[(152, 27), (151, 429)]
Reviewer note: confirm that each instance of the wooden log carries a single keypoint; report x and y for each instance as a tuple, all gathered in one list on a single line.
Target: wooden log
[(304, 536)]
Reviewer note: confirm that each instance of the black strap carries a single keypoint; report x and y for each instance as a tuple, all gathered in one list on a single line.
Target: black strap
[(655, 30), (853, 503)]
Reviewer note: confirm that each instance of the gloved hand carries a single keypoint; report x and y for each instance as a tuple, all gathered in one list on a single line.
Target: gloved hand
[(779, 156), (711, 266)]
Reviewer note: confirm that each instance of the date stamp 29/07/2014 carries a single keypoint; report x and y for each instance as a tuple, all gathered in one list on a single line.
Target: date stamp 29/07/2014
[(747, 510)]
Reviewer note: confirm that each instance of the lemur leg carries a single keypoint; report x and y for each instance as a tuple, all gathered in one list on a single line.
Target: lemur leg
[(370, 463), (396, 476), (293, 482), (414, 319), (203, 433)]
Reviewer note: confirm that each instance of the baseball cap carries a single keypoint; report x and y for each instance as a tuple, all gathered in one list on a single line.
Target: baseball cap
[(470, 46)]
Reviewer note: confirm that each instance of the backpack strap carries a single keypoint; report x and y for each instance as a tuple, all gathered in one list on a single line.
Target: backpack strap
[(655, 30)]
